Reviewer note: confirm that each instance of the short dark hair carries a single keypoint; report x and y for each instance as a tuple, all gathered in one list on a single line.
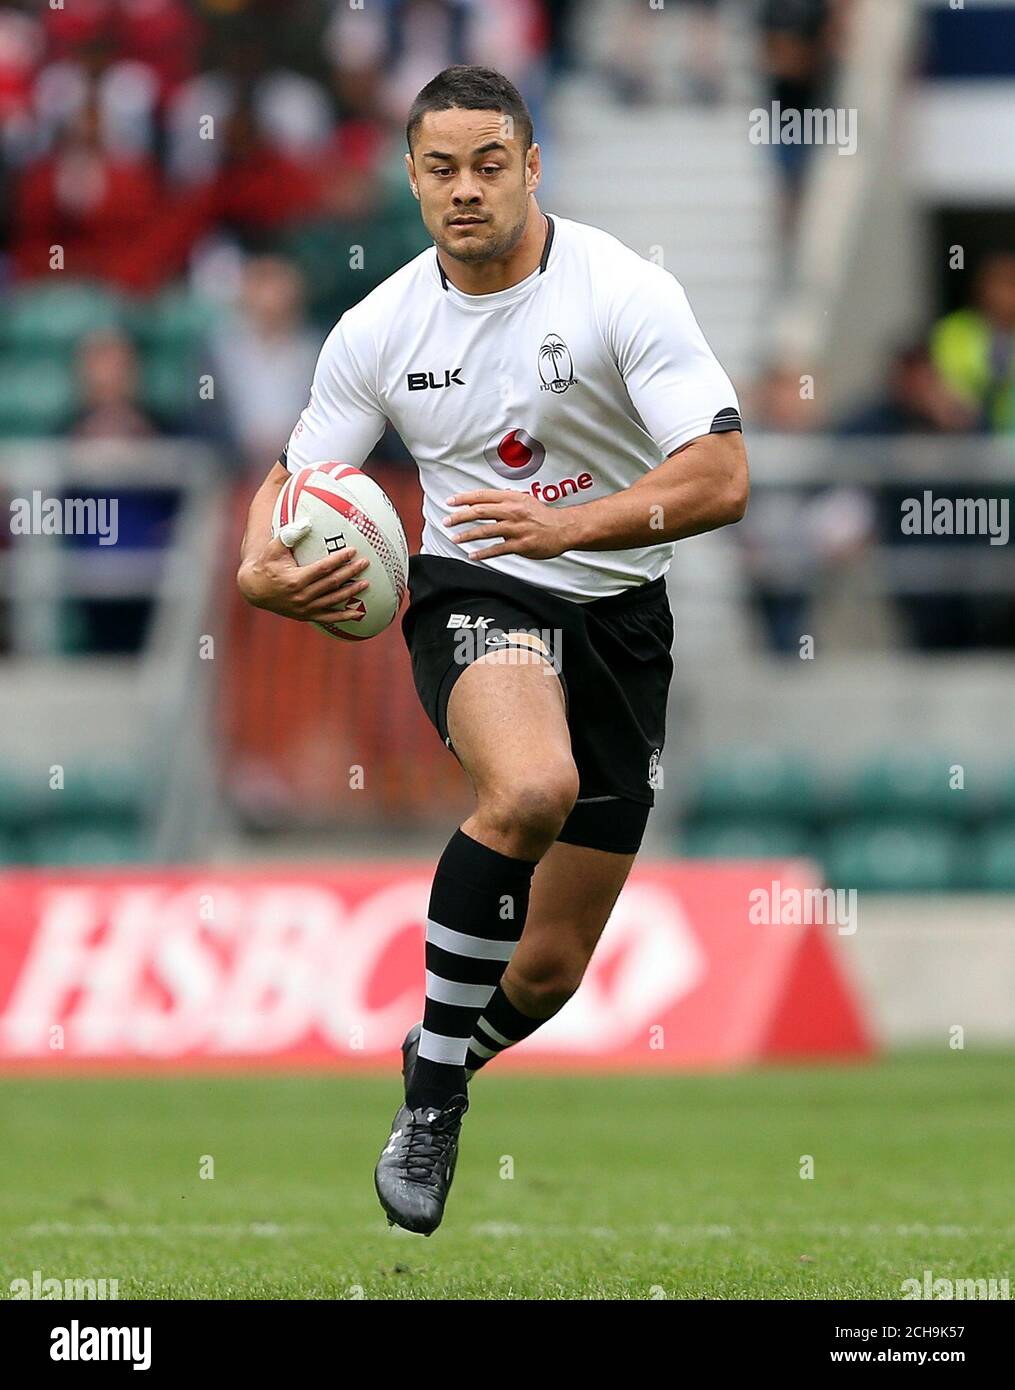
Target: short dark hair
[(471, 88)]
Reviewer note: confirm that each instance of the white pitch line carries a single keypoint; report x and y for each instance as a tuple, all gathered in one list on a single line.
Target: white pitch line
[(157, 1231), (509, 1230), (506, 1230)]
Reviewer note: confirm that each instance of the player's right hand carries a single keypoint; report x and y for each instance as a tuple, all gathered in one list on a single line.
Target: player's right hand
[(317, 593)]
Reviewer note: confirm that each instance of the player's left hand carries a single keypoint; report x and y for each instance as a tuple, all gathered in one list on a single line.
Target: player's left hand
[(527, 527)]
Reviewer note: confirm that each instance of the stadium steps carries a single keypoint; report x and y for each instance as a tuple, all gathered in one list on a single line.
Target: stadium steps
[(686, 181)]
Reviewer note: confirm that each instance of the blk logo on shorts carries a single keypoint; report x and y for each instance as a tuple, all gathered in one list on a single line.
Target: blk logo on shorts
[(462, 620)]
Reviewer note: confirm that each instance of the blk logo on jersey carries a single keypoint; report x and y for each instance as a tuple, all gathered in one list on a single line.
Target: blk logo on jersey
[(426, 381), (555, 365), (515, 454)]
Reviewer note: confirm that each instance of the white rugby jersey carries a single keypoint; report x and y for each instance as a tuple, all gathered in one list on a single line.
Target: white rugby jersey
[(570, 385)]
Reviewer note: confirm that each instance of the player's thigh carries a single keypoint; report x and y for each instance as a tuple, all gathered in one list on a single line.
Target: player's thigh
[(574, 890), (507, 724)]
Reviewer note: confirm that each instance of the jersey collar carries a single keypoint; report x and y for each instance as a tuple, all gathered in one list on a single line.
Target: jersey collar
[(544, 258)]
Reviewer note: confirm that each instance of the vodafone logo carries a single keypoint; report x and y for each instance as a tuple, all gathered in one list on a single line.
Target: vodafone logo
[(515, 454), (553, 492)]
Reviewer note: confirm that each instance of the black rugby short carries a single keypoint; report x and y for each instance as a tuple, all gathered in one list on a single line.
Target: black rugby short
[(613, 659)]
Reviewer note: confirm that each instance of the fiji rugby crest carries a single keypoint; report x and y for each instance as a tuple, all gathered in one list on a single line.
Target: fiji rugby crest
[(555, 365)]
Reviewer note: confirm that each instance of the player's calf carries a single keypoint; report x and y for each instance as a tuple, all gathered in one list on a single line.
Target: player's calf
[(523, 1002), (573, 893), (477, 911), (542, 984)]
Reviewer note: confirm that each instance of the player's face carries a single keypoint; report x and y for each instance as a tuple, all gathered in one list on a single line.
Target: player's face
[(473, 182)]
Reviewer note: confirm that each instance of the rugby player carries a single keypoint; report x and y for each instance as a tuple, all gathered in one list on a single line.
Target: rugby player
[(570, 423)]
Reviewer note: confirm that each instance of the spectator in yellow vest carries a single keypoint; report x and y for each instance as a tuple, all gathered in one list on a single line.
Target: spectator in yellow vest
[(974, 349)]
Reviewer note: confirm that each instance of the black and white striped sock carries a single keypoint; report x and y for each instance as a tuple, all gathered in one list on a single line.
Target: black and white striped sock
[(478, 905), (499, 1027)]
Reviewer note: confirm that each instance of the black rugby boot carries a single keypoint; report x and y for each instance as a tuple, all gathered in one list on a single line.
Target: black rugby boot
[(416, 1167)]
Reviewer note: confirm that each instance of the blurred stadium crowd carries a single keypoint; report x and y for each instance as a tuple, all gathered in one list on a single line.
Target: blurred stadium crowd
[(207, 171), (191, 194), (955, 380)]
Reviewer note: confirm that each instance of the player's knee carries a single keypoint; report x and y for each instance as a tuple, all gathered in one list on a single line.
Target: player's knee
[(539, 803)]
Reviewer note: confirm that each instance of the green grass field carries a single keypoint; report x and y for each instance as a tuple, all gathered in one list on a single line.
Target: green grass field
[(635, 1187)]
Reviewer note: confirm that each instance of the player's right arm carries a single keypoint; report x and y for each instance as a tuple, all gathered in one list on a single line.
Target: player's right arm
[(270, 578), (343, 420)]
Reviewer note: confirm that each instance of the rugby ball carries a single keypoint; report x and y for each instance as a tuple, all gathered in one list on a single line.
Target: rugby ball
[(346, 508)]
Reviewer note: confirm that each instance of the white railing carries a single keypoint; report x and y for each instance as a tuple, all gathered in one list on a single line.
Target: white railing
[(155, 706), (881, 474)]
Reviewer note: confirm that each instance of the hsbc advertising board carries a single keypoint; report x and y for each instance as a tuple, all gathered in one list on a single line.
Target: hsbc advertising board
[(323, 967)]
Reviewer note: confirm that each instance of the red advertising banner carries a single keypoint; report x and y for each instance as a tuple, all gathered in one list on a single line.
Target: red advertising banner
[(701, 965)]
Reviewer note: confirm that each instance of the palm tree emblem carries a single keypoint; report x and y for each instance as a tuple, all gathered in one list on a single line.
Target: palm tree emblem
[(555, 365)]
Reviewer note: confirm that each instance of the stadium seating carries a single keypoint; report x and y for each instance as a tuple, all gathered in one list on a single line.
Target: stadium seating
[(168, 388), (12, 851), (747, 840), (79, 844), (894, 856), (51, 320), (906, 784), (43, 327), (36, 398), (168, 330), (995, 857), (172, 322), (756, 782), (99, 816), (888, 822), (881, 825), (1004, 793)]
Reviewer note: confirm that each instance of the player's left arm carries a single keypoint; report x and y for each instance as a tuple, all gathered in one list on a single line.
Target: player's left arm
[(701, 486)]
